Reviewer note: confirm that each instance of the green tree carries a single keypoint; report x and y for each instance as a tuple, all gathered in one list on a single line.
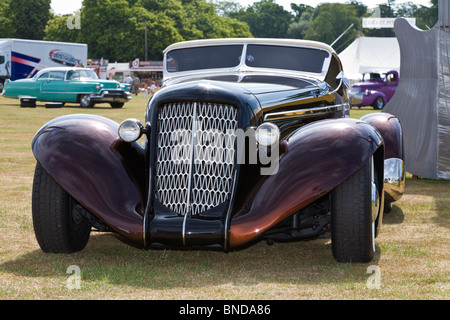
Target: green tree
[(24, 19), (360, 8), (331, 20), (197, 19), (161, 32), (299, 9), (5, 21), (266, 19), (114, 30), (305, 15), (426, 17), (224, 8), (210, 24), (57, 30), (174, 10)]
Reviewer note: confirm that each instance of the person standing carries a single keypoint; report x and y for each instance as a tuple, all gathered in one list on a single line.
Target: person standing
[(135, 85)]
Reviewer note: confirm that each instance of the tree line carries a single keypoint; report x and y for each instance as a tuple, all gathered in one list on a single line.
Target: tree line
[(115, 29)]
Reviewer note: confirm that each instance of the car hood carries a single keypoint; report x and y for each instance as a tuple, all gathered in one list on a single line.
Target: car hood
[(261, 94), (368, 84)]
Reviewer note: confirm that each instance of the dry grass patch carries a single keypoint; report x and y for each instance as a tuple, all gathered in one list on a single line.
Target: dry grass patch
[(411, 251)]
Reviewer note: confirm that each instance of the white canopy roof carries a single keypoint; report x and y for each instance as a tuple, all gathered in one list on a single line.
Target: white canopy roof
[(370, 54)]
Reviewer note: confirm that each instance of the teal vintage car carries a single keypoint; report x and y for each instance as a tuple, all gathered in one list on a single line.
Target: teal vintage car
[(71, 85)]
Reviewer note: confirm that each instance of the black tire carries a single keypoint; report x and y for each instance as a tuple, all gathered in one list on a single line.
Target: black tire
[(28, 102), (86, 102), (352, 230), (116, 105), (378, 104), (387, 207), (57, 227), (27, 105), (52, 105)]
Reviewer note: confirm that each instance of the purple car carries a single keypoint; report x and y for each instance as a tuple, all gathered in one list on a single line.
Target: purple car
[(375, 90)]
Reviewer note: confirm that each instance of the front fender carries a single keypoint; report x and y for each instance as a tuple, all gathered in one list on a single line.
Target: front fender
[(85, 156), (376, 93), (390, 129), (318, 158)]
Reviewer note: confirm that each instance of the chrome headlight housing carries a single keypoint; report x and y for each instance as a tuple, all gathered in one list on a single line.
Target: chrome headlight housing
[(267, 134), (130, 130)]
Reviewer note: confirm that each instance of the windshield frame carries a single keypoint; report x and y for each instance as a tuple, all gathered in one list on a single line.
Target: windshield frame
[(242, 66)]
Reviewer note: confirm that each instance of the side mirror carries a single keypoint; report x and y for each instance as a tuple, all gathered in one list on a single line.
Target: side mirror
[(343, 80)]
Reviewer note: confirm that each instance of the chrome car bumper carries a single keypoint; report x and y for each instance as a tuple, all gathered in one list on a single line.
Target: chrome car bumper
[(394, 179), (355, 96), (112, 95)]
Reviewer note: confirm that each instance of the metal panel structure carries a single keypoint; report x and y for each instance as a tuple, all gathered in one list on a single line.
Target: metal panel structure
[(422, 99)]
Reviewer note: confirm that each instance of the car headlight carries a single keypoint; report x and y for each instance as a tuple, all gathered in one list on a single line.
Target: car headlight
[(130, 130), (98, 86), (267, 134)]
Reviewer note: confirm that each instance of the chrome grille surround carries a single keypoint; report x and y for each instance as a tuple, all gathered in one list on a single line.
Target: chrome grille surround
[(195, 160)]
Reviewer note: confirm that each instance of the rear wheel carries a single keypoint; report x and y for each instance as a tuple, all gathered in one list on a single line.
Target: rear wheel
[(353, 205), (58, 225)]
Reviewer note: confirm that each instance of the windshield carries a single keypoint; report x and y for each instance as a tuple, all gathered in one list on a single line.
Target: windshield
[(373, 76), (81, 75), (288, 58), (257, 56), (211, 57)]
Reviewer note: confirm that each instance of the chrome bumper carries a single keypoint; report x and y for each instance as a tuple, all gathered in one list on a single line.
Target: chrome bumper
[(394, 179), (111, 96)]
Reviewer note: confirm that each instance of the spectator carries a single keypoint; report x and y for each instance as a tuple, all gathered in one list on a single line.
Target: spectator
[(135, 85), (153, 87)]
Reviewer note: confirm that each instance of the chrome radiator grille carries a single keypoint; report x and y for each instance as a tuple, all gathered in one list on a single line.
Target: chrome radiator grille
[(195, 158)]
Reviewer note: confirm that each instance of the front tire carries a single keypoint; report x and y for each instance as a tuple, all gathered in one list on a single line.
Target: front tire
[(58, 226), (116, 105), (378, 104), (352, 228), (86, 102)]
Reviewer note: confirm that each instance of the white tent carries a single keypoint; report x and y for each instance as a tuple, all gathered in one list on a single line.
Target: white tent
[(370, 54)]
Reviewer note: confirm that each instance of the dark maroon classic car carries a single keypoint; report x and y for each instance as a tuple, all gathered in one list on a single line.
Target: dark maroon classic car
[(376, 89), (248, 140)]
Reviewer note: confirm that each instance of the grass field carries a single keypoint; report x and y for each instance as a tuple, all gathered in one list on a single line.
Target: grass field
[(411, 261)]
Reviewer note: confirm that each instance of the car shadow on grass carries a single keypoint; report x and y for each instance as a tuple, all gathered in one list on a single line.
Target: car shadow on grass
[(396, 216), (107, 260), (439, 191)]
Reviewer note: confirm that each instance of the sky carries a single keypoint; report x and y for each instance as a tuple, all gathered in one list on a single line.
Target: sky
[(67, 7)]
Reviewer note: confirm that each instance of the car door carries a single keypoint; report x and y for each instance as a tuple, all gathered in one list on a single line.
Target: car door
[(33, 86), (55, 88)]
